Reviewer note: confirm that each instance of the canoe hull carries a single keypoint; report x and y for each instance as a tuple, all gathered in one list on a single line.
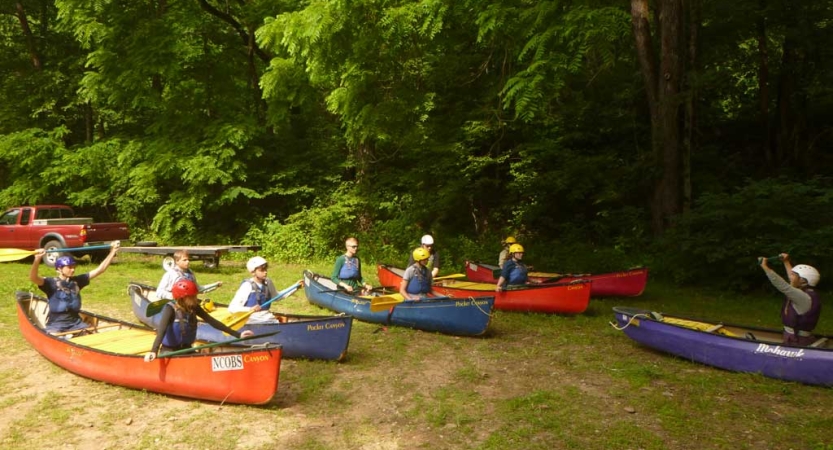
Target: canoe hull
[(307, 337), (626, 283), (739, 354), (461, 317), (558, 298), (246, 376)]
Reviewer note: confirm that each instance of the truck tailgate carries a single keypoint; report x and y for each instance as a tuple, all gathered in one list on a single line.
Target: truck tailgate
[(107, 231)]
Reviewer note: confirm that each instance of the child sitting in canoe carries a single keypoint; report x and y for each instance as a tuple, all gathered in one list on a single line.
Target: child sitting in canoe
[(181, 270), (178, 327), (254, 292), (802, 306), (64, 291)]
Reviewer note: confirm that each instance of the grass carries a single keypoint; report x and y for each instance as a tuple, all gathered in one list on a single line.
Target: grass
[(534, 382)]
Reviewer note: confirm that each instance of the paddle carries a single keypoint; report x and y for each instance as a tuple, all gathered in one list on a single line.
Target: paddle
[(156, 307), (341, 289), (215, 344), (384, 302), (16, 254), (237, 320), (770, 260), (448, 277)]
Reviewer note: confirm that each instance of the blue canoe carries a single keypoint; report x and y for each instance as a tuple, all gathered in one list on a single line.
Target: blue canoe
[(308, 337), (732, 347), (456, 316)]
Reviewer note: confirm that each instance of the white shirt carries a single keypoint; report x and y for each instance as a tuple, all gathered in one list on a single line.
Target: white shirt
[(238, 303)]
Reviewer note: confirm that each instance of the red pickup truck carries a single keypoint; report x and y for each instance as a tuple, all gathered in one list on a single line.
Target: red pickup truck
[(55, 226)]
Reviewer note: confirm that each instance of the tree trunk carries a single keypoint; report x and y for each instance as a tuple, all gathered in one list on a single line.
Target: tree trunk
[(27, 35), (763, 86), (663, 91), (693, 14)]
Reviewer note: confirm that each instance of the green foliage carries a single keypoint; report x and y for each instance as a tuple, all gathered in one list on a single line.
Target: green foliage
[(720, 239)]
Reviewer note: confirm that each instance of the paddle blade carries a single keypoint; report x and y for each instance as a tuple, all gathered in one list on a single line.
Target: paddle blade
[(384, 302), (237, 320), (14, 254), (453, 275), (156, 307)]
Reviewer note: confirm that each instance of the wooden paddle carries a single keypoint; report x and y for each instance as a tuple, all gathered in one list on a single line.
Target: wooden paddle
[(215, 344), (16, 254), (237, 320)]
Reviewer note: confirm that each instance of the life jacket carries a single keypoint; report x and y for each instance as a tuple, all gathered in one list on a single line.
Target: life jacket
[(258, 296), (802, 322), (420, 283), (183, 331), (350, 270), (66, 298), (517, 272), (185, 274)]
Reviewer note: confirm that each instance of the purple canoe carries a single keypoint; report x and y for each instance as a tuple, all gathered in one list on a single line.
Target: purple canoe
[(731, 347)]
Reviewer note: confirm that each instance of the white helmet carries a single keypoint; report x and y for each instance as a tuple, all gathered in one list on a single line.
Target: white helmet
[(254, 263), (427, 240), (809, 273)]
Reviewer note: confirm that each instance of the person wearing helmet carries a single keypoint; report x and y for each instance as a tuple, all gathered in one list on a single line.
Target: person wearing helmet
[(504, 254), (253, 292), (514, 271), (802, 306), (64, 291), (181, 269), (417, 279), (433, 263), (177, 328), (347, 273)]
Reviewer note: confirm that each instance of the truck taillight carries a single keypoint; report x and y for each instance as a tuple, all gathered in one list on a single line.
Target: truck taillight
[(83, 234)]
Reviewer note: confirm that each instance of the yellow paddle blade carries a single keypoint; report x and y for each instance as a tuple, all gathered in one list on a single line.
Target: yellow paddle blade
[(384, 302), (14, 254), (702, 326), (453, 275), (236, 320)]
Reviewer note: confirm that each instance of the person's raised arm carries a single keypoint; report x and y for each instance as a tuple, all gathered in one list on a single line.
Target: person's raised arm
[(34, 276), (114, 248)]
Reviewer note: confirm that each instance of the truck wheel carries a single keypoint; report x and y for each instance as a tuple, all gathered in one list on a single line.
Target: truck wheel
[(210, 263), (168, 263), (50, 257)]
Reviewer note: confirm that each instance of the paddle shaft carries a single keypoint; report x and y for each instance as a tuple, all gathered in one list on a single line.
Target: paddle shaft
[(239, 321), (215, 344)]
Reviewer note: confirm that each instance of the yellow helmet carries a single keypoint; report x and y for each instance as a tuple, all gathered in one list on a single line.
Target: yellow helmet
[(510, 240), (516, 248), (420, 254)]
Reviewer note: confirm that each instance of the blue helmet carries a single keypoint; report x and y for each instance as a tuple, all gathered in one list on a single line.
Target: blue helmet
[(64, 261)]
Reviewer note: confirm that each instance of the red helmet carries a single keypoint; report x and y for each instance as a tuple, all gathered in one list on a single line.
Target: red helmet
[(184, 288)]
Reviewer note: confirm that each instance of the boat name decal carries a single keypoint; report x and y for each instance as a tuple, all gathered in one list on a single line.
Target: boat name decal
[(256, 359), (777, 350), (574, 287), (465, 303), (224, 363), (327, 326)]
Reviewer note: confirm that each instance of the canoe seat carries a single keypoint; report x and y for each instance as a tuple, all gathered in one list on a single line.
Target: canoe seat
[(819, 342), (714, 328), (38, 311)]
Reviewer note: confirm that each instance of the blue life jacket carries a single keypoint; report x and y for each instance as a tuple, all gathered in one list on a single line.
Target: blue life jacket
[(183, 331), (350, 270), (802, 322), (518, 272), (258, 296), (420, 283), (64, 305)]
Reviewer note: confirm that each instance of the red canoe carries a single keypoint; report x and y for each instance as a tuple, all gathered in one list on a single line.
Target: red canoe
[(559, 298), (626, 283), (114, 353)]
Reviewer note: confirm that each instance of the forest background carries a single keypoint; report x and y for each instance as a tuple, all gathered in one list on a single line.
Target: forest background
[(687, 136)]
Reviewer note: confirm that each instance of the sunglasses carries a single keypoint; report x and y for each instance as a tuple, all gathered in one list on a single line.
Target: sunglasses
[(353, 246)]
